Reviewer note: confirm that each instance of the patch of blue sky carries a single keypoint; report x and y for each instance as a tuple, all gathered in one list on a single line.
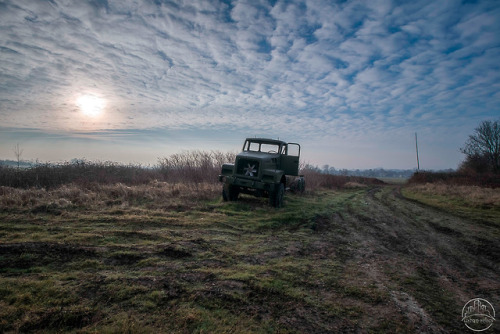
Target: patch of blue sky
[(263, 46)]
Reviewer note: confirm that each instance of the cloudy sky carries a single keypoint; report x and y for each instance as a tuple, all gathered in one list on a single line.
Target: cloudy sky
[(352, 81)]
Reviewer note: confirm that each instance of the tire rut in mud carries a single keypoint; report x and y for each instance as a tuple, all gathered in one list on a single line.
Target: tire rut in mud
[(412, 251), (29, 254)]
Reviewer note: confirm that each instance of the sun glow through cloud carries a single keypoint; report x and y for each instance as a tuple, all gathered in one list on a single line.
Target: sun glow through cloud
[(90, 105)]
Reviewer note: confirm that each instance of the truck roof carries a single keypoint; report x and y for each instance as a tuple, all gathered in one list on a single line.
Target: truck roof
[(266, 140)]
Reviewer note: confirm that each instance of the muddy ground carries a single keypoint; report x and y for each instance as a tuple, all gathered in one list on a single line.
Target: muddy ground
[(361, 260)]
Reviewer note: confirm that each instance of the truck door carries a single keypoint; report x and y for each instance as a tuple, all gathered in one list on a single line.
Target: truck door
[(290, 159)]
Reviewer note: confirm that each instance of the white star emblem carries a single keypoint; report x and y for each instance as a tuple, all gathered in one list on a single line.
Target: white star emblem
[(250, 170)]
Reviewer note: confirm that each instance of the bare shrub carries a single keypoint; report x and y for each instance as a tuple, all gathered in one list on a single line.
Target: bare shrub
[(189, 166), (78, 171), (180, 178), (194, 166)]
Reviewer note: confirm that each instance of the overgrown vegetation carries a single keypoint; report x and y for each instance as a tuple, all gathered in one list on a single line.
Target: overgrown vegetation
[(80, 172), (185, 167), (189, 167)]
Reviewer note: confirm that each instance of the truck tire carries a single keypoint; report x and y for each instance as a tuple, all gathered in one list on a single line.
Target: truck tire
[(276, 196), (230, 193), (302, 185)]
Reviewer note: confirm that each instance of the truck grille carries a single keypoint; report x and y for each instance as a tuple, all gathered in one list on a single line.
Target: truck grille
[(247, 167)]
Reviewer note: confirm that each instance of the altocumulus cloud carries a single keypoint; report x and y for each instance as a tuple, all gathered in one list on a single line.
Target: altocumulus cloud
[(339, 70)]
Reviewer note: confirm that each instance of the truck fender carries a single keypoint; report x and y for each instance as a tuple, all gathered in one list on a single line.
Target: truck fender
[(274, 176)]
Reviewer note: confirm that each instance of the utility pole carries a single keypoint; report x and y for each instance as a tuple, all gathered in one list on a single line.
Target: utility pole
[(416, 148)]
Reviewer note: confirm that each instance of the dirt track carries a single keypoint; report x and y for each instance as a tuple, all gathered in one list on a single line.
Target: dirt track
[(430, 262)]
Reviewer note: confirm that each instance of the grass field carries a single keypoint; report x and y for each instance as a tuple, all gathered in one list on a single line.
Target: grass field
[(174, 259)]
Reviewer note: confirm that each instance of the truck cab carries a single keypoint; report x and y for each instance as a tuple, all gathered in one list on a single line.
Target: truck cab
[(261, 169)]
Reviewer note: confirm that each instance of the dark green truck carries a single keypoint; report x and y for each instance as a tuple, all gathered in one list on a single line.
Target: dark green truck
[(261, 169)]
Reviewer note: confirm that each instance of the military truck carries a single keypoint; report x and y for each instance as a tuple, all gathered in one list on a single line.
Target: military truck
[(261, 169)]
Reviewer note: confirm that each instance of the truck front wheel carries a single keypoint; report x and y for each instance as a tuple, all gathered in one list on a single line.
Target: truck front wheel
[(230, 192), (276, 196)]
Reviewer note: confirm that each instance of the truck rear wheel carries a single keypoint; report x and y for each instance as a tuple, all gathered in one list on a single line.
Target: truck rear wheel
[(302, 185), (276, 196)]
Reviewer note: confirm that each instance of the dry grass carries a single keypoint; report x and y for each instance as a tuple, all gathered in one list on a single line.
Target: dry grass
[(353, 185), (479, 204), (473, 195), (317, 181), (183, 179), (154, 195)]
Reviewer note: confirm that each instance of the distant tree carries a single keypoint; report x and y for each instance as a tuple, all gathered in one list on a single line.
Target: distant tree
[(482, 149), (326, 169), (18, 152)]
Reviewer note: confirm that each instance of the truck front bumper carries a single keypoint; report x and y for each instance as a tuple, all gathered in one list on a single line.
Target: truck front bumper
[(246, 183)]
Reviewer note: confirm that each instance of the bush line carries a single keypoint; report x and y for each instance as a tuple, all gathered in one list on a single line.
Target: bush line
[(459, 178)]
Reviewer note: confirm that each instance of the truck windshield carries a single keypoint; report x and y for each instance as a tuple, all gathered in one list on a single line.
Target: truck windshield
[(262, 147)]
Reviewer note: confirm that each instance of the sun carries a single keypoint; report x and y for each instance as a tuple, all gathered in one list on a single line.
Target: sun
[(90, 105)]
